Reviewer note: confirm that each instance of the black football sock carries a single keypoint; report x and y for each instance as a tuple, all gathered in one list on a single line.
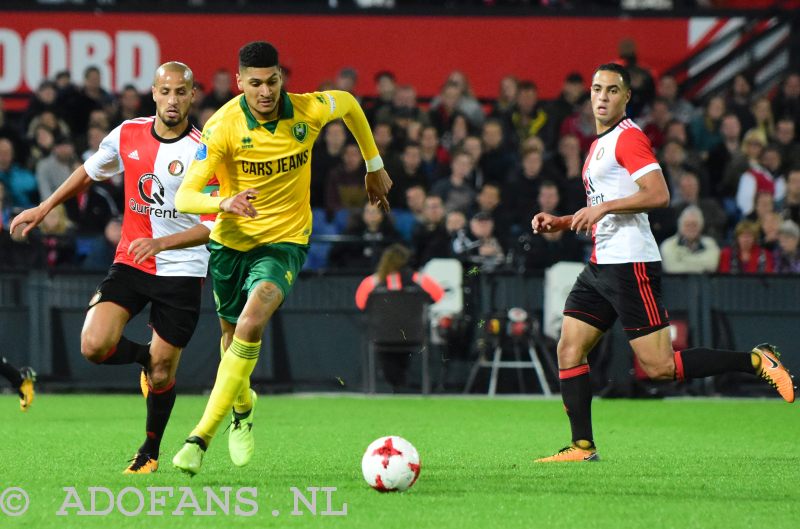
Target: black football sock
[(11, 373), (700, 362), (128, 352), (159, 408), (576, 392)]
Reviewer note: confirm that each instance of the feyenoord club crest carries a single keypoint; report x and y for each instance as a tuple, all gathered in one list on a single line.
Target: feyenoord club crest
[(300, 131), (175, 168)]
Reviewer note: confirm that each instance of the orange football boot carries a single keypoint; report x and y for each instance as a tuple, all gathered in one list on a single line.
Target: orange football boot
[(773, 371)]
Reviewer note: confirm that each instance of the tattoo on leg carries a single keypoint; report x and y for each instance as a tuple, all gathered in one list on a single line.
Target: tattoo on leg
[(269, 295)]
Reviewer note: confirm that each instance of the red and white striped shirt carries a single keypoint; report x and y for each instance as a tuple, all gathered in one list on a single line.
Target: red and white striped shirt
[(153, 170), (617, 158)]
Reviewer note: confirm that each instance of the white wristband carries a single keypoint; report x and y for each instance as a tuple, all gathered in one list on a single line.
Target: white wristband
[(373, 164)]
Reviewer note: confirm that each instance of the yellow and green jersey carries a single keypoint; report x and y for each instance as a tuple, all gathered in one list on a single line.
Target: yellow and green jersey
[(273, 157)]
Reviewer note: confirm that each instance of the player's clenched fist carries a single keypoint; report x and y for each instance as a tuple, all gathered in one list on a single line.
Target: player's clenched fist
[(544, 223), (241, 204)]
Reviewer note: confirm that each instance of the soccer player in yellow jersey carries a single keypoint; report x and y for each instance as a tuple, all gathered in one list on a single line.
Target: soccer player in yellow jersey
[(259, 146)]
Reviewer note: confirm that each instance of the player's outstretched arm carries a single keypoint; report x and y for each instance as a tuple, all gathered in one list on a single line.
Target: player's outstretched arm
[(143, 249), (376, 181), (547, 223), (78, 181)]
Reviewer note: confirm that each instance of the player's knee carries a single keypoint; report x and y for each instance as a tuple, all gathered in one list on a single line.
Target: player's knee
[(569, 354), (160, 373), (250, 328), (93, 348), (659, 370)]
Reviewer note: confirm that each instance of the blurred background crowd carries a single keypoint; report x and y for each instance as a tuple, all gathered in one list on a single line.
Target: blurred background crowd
[(468, 174)]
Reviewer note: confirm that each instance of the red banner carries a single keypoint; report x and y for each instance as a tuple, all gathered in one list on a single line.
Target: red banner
[(421, 51)]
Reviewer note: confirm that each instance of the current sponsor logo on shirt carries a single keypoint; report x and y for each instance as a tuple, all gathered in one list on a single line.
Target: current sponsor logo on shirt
[(152, 192), (202, 152)]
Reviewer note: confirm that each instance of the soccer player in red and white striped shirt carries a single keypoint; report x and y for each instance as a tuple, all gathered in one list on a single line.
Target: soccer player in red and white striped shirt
[(623, 278), (161, 258)]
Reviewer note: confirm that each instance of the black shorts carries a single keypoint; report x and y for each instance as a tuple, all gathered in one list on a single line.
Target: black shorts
[(175, 301), (631, 291)]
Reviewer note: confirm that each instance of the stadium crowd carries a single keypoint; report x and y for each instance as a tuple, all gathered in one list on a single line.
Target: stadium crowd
[(468, 174)]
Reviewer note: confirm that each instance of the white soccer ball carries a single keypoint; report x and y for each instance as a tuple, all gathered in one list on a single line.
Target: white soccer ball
[(390, 464)]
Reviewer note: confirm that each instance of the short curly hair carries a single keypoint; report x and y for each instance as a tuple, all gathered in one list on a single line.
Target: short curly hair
[(258, 54)]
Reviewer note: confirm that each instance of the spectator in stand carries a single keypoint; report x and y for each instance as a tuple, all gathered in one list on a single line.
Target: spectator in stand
[(498, 158), (573, 94), (373, 231), (762, 115), (129, 105), (385, 88), (667, 89), (459, 130), (444, 107), (770, 227), (745, 256), (483, 248), (345, 186), (430, 239), (468, 104), (384, 139), (529, 117), (673, 165), (763, 205), (41, 144), (582, 125), (407, 173), (20, 183), (94, 136), (720, 157), (415, 202), (346, 80), (434, 157), (54, 170), (786, 141), (787, 103), (91, 96), (642, 78), (43, 100), (740, 101), (221, 90), (566, 167), (523, 188), (791, 203), (393, 273), (404, 110), (489, 201), (689, 251), (473, 146), (688, 194), (506, 97), (326, 156), (656, 121), (757, 178), (56, 240), (787, 255), (704, 129), (772, 161), (48, 119), (456, 191)]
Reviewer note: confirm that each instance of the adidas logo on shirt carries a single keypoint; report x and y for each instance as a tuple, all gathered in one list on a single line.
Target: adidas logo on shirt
[(134, 155)]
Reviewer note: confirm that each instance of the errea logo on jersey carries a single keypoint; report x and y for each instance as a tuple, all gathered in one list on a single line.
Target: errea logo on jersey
[(247, 142)]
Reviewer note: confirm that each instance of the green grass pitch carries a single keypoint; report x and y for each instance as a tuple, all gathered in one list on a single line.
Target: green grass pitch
[(666, 464)]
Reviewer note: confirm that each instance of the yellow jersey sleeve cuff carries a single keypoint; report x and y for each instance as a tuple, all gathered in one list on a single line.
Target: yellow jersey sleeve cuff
[(375, 163)]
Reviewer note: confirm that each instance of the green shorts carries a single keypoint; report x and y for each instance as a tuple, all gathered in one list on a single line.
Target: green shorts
[(236, 273)]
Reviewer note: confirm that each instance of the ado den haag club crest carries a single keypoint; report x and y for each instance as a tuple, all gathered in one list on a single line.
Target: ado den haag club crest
[(300, 131)]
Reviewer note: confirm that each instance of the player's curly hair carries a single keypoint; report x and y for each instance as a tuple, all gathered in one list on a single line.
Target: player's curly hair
[(258, 54), (616, 68)]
